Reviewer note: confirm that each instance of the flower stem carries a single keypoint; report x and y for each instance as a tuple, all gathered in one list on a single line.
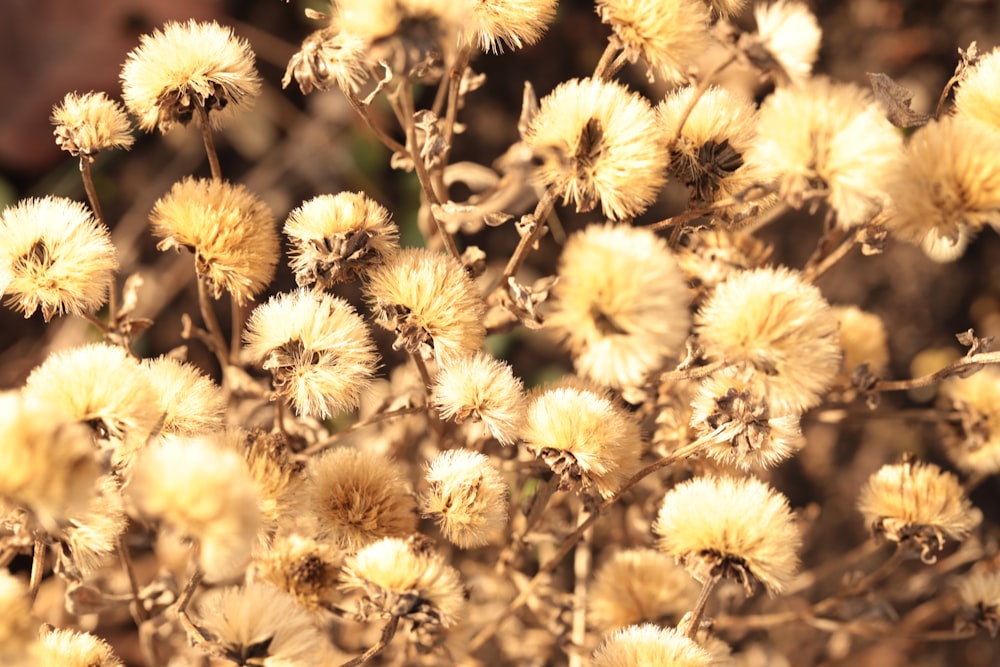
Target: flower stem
[(206, 137), (699, 607), (388, 632), (218, 341)]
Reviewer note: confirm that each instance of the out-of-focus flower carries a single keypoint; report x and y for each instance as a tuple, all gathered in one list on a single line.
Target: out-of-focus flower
[(978, 95), (69, 648), (974, 442), (190, 403), (787, 39)]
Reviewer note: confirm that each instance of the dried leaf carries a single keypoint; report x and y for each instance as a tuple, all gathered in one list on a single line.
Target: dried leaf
[(895, 101)]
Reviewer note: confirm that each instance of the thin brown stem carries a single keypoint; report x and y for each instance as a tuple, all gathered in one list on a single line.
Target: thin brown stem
[(955, 78), (865, 583), (37, 568), (539, 501), (699, 606), (455, 76), (209, 141), (527, 241), (370, 421), (820, 264), (194, 633), (88, 186), (218, 340), (388, 632), (425, 376), (582, 561), (612, 60), (138, 611), (362, 110), (97, 322), (236, 332), (969, 363)]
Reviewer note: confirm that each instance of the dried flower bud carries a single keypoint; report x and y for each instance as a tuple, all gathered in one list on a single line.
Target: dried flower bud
[(621, 304), (406, 580), (188, 68), (649, 645), (919, 506), (430, 302), (357, 497), (494, 24), (328, 58), (230, 231), (724, 527), (317, 349), (484, 388), (304, 568), (599, 142), (339, 237), (89, 123), (466, 497), (980, 592), (974, 443), (190, 403), (68, 648), (787, 39), (55, 256), (584, 437), (773, 322), (978, 95)]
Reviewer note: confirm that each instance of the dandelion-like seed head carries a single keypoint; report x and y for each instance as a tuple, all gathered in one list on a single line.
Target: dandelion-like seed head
[(599, 142), (980, 593), (649, 645), (339, 237), (317, 349), (621, 303), (303, 567), (187, 69), (466, 497), (787, 39), (495, 24), (406, 579), (328, 58), (431, 303), (90, 123), (736, 528), (781, 327), (230, 231), (190, 403), (54, 256), (974, 442), (978, 95), (69, 648), (482, 387), (668, 35), (358, 497), (584, 437), (917, 505)]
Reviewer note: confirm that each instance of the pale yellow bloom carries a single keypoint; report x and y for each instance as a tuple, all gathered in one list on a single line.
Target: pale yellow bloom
[(863, 338), (496, 24), (17, 627), (466, 497), (303, 567), (649, 645), (980, 593), (89, 123), (190, 403), (69, 648), (328, 58), (790, 35), (92, 533), (978, 95), (484, 388), (974, 443)]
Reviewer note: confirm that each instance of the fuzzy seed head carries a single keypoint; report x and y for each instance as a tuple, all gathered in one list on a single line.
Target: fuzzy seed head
[(328, 58), (790, 36), (484, 388), (649, 645), (303, 567), (69, 648), (980, 593), (978, 95), (863, 338), (466, 497), (495, 24), (190, 403), (89, 123), (974, 443)]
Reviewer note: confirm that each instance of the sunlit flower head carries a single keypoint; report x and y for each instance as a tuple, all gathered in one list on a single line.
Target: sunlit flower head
[(974, 442), (668, 35), (339, 237), (598, 142), (185, 69), (621, 303), (484, 388), (735, 528), (69, 648), (863, 338), (649, 645), (789, 36), (712, 256), (230, 231), (466, 496), (89, 123), (919, 506), (190, 403), (431, 303), (305, 568), (772, 321), (317, 349), (328, 58), (978, 95), (496, 24), (54, 256)]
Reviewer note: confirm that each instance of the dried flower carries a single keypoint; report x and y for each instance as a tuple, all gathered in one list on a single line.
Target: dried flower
[(917, 505), (357, 497), (980, 592), (974, 443), (621, 303), (466, 497), (668, 35), (773, 322), (830, 139), (257, 624), (203, 492), (430, 302), (190, 403), (275, 471), (407, 580), (68, 648), (92, 534), (724, 527), (326, 58), (89, 123), (584, 437), (947, 183), (230, 231), (787, 39), (714, 255), (598, 141), (638, 585), (54, 255), (494, 24), (978, 95), (727, 8), (303, 567), (484, 388), (317, 349), (649, 645), (187, 69), (863, 339), (339, 237)]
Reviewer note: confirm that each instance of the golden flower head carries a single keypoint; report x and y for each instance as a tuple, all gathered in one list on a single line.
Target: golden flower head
[(406, 579), (974, 442), (339, 237), (55, 256), (317, 349), (772, 321), (230, 231), (830, 138), (89, 123), (357, 497), (466, 496), (787, 39), (621, 303), (103, 387), (668, 35), (637, 585), (863, 338), (494, 24), (190, 403), (328, 58), (204, 492), (484, 388), (186, 69), (599, 142), (303, 567), (584, 437), (917, 505), (978, 95), (430, 302), (980, 593), (725, 527), (69, 648), (258, 624), (947, 183), (649, 645)]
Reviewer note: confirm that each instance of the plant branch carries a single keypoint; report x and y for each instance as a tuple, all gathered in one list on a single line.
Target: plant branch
[(968, 364), (388, 632), (374, 419), (209, 141), (218, 340)]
